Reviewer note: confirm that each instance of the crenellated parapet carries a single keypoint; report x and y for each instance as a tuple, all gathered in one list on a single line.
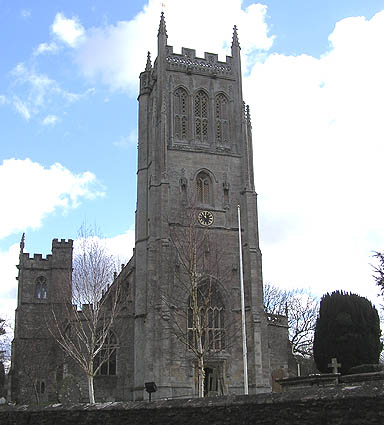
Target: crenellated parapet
[(188, 62), (277, 320), (62, 243), (37, 261)]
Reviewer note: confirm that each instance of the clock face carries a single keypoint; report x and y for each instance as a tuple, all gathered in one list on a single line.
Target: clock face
[(205, 218)]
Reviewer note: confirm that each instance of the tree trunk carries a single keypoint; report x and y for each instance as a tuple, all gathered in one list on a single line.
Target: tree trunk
[(201, 373), (91, 390), (36, 393)]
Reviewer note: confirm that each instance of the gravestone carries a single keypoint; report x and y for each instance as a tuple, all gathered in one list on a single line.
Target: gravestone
[(334, 365), (69, 391)]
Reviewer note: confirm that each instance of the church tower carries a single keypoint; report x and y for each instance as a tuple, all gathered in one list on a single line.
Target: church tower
[(195, 136), (36, 359)]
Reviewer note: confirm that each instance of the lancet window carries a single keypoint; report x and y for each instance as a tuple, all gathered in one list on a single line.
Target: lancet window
[(180, 107), (201, 116), (222, 119), (206, 317), (203, 188), (105, 359), (41, 287), (40, 386)]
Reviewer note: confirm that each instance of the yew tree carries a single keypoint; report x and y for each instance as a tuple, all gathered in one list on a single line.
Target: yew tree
[(348, 329)]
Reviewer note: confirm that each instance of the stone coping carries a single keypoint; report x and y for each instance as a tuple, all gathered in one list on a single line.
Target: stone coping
[(369, 389), (330, 379)]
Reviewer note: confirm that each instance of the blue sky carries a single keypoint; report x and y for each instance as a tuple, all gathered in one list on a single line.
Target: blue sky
[(312, 76)]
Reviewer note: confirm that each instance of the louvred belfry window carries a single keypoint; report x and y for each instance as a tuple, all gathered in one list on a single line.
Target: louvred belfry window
[(41, 288), (203, 188), (201, 116), (222, 119), (180, 106)]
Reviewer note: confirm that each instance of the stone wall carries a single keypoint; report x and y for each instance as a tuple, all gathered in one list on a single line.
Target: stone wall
[(355, 405)]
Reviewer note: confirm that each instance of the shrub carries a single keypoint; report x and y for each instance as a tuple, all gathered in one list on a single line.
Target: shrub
[(348, 328)]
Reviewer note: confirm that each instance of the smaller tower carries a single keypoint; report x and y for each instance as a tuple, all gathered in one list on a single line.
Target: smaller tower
[(42, 282)]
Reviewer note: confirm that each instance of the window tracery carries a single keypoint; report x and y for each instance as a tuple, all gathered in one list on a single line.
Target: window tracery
[(222, 119), (106, 357), (180, 106), (203, 188), (41, 288), (201, 116), (211, 317)]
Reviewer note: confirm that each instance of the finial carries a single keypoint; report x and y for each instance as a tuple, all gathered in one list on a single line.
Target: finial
[(235, 38), (22, 243), (162, 27), (148, 66)]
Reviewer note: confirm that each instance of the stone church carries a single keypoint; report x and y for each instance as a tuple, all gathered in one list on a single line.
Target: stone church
[(194, 137)]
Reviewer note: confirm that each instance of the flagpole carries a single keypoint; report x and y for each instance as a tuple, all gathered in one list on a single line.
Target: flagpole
[(243, 330)]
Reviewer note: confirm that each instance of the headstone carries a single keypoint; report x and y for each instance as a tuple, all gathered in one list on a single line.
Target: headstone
[(334, 365), (277, 374), (69, 391)]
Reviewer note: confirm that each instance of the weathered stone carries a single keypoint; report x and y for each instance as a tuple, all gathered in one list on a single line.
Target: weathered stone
[(194, 134), (357, 405)]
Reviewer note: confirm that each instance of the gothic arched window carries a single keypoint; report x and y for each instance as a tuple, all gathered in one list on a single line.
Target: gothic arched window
[(222, 119), (203, 188), (180, 108), (105, 360), (41, 288), (206, 316), (201, 116)]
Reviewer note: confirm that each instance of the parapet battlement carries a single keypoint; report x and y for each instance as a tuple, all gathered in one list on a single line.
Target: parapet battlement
[(56, 243), (36, 257), (62, 243), (187, 61)]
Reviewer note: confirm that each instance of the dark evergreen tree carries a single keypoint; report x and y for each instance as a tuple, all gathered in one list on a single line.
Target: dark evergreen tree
[(348, 328), (2, 380)]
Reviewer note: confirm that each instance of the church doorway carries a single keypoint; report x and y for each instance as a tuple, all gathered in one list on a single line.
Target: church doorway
[(213, 382)]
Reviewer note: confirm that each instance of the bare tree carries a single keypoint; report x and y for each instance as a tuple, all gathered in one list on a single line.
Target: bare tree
[(302, 308), (4, 345), (379, 270), (4, 352), (378, 276), (6, 335), (83, 327), (193, 306)]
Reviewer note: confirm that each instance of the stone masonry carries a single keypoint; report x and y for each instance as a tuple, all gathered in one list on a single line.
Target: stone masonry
[(194, 139)]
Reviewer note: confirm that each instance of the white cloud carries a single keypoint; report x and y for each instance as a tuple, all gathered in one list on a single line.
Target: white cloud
[(50, 120), (318, 134), (8, 288), (126, 141), (46, 48), (112, 53), (3, 99), (21, 108), (25, 13), (49, 189), (36, 91), (39, 86), (68, 30), (121, 246)]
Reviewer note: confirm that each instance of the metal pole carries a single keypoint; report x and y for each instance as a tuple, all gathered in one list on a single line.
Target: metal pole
[(243, 331)]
